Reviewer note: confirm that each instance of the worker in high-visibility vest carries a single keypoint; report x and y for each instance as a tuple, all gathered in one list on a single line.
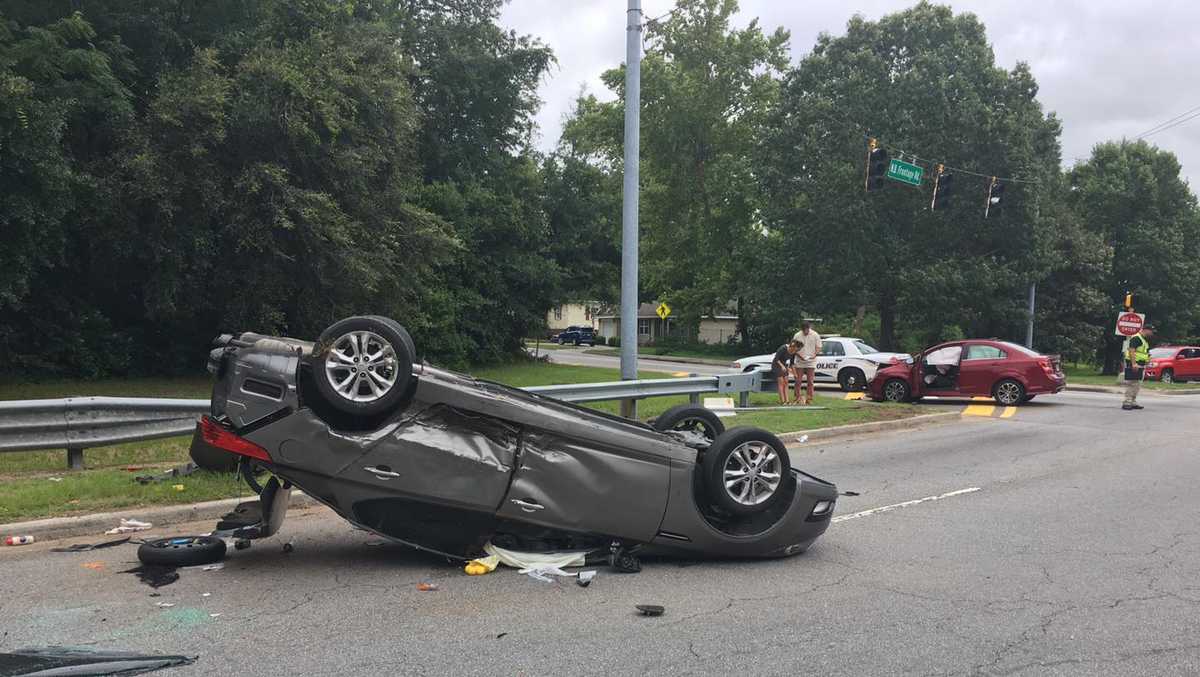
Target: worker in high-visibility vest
[(1137, 354)]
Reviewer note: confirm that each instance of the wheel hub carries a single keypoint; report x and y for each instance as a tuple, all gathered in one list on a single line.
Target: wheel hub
[(361, 366)]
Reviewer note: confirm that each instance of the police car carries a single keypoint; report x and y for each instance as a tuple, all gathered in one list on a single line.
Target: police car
[(847, 361)]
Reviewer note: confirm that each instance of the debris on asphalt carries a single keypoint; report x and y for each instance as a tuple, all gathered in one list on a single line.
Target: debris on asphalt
[(213, 567), (155, 575), (214, 615), (624, 562), (85, 547), (803, 439), (18, 540), (585, 578), (501, 635), (60, 660), (482, 565), (427, 587), (128, 526), (288, 547), (650, 609), (165, 605), (543, 573), (94, 566), (851, 493), (206, 594)]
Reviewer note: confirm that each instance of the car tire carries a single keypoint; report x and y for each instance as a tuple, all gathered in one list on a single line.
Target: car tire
[(1167, 376), (1009, 392), (852, 378), (182, 551), (338, 365), (896, 390), (691, 417), (412, 347), (759, 457)]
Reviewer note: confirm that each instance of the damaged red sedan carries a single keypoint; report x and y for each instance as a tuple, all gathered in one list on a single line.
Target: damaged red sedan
[(448, 463), (1009, 373)]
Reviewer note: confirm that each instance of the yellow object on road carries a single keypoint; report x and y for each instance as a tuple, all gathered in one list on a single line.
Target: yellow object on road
[(177, 487), (481, 566)]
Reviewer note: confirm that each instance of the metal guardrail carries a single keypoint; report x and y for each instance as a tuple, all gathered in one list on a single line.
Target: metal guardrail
[(78, 423)]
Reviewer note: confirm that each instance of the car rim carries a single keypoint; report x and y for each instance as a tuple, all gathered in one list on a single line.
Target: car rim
[(361, 366), (1008, 393), (752, 473), (1167, 377), (895, 391)]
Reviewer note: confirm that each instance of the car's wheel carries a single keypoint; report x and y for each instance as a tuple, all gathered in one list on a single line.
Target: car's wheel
[(364, 365), (412, 347), (1168, 376), (690, 418), (182, 551), (1009, 392), (896, 390), (746, 470), (852, 378)]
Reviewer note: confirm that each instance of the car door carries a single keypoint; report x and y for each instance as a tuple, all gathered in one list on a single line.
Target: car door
[(432, 478), (829, 360), (1187, 364), (595, 485), (938, 371), (980, 368)]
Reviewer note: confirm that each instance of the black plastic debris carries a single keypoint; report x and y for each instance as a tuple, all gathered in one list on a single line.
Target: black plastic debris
[(850, 493), (178, 471), (57, 660), (155, 575), (624, 562), (85, 547), (650, 609)]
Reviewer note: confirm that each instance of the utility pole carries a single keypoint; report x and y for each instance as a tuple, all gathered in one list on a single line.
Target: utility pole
[(1029, 329), (629, 212)]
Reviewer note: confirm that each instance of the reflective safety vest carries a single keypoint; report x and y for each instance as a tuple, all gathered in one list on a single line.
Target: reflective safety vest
[(1140, 347)]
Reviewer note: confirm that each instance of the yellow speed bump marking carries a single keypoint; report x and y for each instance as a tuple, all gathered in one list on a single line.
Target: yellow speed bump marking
[(980, 409), (1008, 412), (856, 395)]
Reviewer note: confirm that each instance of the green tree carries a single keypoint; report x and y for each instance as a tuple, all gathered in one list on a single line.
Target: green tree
[(706, 90), (924, 82), (1131, 196)]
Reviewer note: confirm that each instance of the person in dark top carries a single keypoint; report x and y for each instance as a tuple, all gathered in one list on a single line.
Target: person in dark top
[(781, 366)]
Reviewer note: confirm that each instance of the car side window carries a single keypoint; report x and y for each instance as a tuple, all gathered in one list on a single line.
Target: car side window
[(832, 348), (984, 352)]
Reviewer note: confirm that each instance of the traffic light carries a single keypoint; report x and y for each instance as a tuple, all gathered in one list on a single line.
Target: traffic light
[(877, 165), (943, 183), (1128, 301), (995, 195)]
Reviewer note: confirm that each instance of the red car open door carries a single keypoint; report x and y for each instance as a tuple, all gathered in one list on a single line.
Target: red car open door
[(937, 372)]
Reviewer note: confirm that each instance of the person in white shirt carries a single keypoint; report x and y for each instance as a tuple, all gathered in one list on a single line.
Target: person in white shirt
[(804, 363)]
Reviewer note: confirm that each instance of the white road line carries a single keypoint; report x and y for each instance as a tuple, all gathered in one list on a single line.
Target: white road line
[(885, 508)]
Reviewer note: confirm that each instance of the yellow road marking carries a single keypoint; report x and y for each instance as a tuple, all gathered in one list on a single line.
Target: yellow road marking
[(1008, 412), (857, 395), (980, 409), (679, 373)]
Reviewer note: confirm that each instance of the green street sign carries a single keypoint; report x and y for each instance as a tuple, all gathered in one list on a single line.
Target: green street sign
[(905, 172)]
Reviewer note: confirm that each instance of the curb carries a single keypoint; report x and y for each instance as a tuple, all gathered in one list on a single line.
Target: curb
[(876, 426), (55, 528), (1116, 390)]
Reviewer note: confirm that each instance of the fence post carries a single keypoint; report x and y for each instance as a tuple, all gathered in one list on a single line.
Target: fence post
[(694, 398), (74, 458)]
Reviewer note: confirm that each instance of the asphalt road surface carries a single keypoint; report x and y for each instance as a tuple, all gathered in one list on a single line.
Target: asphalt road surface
[(1062, 540)]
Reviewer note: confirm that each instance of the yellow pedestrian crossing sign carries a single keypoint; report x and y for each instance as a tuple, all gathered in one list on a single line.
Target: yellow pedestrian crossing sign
[(663, 311)]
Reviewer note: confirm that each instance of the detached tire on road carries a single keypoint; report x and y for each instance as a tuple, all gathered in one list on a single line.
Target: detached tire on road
[(182, 551), (364, 365), (746, 470), (690, 417)]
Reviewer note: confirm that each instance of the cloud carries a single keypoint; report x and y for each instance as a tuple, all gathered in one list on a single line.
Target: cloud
[(1109, 69)]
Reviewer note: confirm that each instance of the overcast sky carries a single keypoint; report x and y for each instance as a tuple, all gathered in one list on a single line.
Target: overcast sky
[(1109, 68)]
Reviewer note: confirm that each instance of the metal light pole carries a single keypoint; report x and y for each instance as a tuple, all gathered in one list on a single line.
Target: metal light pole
[(1029, 329), (629, 213)]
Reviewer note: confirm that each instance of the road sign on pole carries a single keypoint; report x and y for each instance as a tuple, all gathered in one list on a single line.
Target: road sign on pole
[(905, 172), (663, 311), (1129, 324)]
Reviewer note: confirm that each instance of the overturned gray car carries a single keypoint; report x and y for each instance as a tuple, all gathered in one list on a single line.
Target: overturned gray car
[(446, 463)]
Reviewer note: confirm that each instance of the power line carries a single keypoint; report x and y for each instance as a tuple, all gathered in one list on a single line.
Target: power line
[(659, 17), (1164, 125), (1193, 116)]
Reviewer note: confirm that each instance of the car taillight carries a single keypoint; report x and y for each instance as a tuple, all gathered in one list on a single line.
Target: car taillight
[(216, 436), (1046, 366)]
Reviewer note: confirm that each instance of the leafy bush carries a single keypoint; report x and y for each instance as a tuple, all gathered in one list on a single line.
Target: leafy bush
[(614, 341)]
